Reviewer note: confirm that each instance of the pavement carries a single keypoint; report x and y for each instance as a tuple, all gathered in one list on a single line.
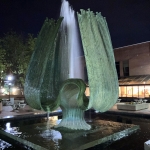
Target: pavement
[(9, 114)]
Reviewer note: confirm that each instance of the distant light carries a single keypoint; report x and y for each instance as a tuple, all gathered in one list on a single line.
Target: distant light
[(9, 83), (14, 89), (2, 89), (10, 78)]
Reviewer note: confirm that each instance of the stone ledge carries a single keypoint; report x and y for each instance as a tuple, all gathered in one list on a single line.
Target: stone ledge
[(147, 145), (124, 106)]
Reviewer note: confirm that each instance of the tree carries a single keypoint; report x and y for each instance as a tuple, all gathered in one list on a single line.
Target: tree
[(15, 53), (2, 67)]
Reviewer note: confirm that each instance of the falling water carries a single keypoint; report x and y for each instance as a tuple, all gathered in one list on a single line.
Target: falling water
[(48, 132), (71, 42), (48, 116)]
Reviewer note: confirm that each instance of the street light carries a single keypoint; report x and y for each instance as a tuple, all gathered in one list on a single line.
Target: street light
[(9, 78)]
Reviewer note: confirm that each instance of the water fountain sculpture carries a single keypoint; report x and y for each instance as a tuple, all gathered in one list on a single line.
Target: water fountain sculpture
[(52, 78)]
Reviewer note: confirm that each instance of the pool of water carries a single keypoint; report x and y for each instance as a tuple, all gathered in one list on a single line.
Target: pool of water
[(6, 144), (132, 142)]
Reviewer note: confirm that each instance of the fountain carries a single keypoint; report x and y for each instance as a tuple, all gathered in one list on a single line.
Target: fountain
[(55, 76)]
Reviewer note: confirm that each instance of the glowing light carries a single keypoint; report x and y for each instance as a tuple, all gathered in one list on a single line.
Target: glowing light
[(9, 78), (2, 90), (14, 90)]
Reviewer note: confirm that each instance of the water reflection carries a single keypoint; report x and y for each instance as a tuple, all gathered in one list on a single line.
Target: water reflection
[(51, 135), (4, 145), (12, 130)]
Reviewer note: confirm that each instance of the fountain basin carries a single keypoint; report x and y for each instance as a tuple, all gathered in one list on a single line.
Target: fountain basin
[(44, 136)]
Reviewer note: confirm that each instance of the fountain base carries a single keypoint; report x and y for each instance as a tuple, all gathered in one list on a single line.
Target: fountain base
[(73, 118)]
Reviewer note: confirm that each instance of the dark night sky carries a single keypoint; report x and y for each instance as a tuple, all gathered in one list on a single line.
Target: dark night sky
[(128, 20)]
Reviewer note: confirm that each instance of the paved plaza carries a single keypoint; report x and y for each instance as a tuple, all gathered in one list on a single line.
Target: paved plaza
[(27, 111), (8, 113)]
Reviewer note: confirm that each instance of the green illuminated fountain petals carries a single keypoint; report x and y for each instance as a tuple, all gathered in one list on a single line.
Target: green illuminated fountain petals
[(100, 60), (42, 79)]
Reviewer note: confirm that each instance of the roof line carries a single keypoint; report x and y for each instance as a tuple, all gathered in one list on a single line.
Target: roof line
[(131, 45)]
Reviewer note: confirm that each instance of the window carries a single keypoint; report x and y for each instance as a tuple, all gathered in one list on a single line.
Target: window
[(141, 92), (123, 91), (135, 91), (118, 69), (147, 91), (126, 68), (129, 91)]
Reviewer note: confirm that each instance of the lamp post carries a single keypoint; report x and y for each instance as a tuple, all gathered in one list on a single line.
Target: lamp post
[(9, 84), (9, 90)]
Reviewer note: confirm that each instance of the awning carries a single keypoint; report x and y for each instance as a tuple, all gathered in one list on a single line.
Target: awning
[(135, 80)]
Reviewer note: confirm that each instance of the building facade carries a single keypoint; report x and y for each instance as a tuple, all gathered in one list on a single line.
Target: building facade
[(133, 69)]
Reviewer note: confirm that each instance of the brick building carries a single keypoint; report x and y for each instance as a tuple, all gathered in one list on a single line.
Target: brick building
[(133, 68)]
